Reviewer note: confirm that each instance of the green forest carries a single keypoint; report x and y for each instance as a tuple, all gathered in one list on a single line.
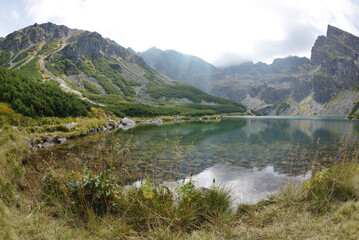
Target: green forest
[(33, 98)]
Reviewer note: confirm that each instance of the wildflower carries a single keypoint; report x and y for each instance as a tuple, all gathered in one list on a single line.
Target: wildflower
[(337, 156)]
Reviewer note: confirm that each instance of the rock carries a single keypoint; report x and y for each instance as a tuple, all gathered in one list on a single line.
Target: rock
[(39, 146), (61, 140), (112, 122), (13, 127), (50, 140), (47, 145), (70, 125), (103, 129), (128, 122), (158, 121), (120, 126)]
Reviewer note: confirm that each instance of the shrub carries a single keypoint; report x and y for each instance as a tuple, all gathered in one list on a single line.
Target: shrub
[(86, 192)]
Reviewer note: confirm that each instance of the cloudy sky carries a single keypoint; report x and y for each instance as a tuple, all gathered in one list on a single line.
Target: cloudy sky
[(219, 31)]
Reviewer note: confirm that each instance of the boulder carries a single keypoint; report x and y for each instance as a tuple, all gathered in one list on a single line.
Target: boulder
[(103, 129), (158, 121), (112, 122), (70, 125), (127, 122), (61, 140), (47, 145)]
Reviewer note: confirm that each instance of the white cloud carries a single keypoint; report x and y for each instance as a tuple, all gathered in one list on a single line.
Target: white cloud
[(250, 29), (15, 14)]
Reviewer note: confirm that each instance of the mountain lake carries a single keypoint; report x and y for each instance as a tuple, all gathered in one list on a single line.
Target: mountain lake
[(252, 156)]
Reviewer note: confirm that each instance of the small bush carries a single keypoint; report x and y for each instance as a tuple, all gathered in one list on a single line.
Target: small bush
[(337, 183), (85, 192)]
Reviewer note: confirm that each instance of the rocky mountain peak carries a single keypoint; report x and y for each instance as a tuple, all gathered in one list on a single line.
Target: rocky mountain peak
[(33, 34), (337, 43), (334, 32)]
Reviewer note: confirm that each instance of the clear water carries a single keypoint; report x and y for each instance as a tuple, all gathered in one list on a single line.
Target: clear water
[(253, 156)]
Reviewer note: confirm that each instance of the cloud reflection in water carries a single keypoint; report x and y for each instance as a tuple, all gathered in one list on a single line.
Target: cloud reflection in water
[(247, 185)]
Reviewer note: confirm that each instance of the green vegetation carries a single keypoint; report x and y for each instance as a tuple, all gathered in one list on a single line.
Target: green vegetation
[(142, 110), (65, 66), (49, 46), (355, 108), (4, 57), (33, 98), (180, 90), (141, 209), (91, 88), (112, 99), (282, 107), (89, 70), (112, 71), (89, 205), (230, 107), (51, 68), (31, 69)]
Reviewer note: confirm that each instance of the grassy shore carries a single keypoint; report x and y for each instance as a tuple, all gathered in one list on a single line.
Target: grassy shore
[(85, 205)]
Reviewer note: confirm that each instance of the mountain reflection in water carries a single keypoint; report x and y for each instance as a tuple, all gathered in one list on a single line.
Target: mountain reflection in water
[(252, 155)]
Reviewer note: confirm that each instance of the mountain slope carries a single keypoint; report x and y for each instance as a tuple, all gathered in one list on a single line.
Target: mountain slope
[(326, 84), (181, 67), (100, 71)]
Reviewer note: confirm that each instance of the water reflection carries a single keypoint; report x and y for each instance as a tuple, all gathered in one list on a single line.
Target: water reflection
[(255, 155), (246, 185)]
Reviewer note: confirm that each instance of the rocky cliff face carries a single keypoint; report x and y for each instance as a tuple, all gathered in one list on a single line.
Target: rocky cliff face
[(293, 85)]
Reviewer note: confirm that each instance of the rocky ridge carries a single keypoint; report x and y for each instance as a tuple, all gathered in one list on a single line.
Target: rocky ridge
[(326, 84), (97, 69)]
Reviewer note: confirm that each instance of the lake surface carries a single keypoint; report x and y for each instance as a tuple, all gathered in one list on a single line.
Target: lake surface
[(251, 155)]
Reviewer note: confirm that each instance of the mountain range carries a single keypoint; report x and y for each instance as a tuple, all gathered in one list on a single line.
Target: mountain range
[(103, 72), (157, 82), (327, 84)]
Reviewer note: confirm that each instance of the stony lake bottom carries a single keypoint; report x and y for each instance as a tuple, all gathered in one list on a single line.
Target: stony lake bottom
[(252, 156)]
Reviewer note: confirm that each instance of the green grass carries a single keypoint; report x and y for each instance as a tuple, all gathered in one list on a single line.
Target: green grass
[(88, 205), (31, 69)]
